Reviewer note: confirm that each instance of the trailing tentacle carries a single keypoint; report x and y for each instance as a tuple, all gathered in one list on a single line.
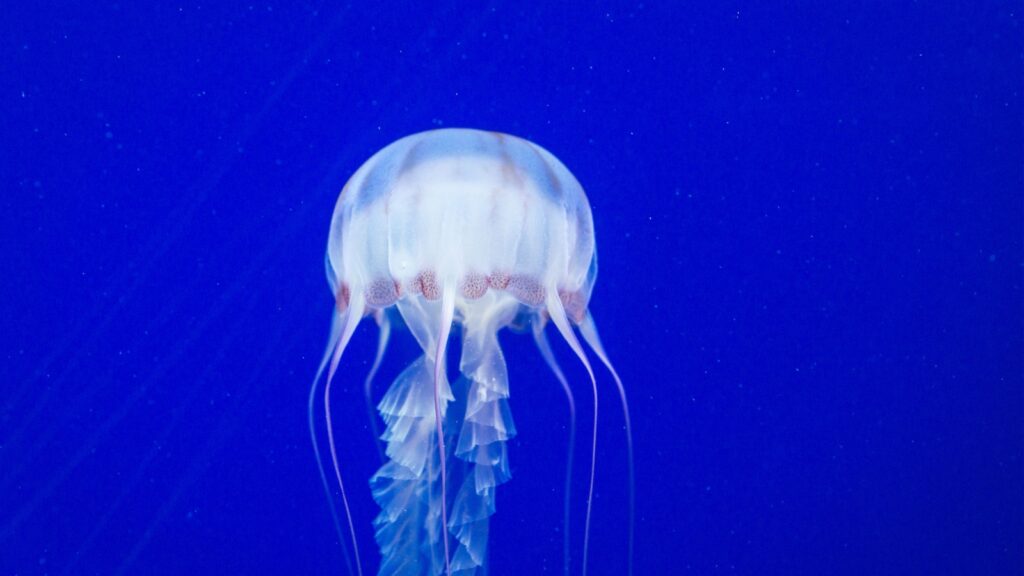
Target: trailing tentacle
[(416, 488), (485, 430), (405, 530), (549, 357)]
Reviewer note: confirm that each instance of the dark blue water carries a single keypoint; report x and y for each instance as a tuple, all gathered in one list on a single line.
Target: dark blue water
[(811, 233)]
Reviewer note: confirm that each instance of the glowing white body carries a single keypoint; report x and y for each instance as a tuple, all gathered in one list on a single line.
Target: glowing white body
[(463, 227), (462, 207)]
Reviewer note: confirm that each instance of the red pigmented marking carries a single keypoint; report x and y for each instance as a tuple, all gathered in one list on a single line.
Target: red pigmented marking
[(526, 289), (473, 286), (382, 292), (574, 304), (342, 298), (414, 286), (498, 280), (426, 284)]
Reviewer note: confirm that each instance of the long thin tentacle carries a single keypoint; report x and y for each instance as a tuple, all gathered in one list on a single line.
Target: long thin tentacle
[(332, 342), (589, 331), (540, 337), (382, 344), (557, 313), (353, 316), (447, 315)]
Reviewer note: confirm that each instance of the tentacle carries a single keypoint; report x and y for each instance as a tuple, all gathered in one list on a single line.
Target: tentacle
[(447, 315), (481, 462), (384, 334), (332, 342), (557, 313), (406, 487), (589, 331), (540, 337), (405, 530), (352, 317)]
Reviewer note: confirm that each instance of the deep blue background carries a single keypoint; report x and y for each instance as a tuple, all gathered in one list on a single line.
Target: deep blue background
[(810, 220)]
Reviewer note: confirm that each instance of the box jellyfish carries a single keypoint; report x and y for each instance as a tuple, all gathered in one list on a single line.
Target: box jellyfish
[(476, 231)]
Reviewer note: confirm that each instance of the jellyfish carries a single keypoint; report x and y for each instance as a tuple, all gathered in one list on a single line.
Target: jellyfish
[(457, 229)]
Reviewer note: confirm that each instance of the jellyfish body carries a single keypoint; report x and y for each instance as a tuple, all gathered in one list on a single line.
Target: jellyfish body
[(463, 227)]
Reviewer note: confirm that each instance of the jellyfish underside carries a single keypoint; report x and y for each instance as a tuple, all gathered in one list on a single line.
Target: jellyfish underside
[(478, 230)]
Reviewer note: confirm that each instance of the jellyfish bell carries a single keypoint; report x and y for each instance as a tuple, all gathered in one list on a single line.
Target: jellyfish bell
[(485, 231), (475, 211)]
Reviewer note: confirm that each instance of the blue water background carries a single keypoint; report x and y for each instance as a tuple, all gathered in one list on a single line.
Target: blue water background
[(811, 234)]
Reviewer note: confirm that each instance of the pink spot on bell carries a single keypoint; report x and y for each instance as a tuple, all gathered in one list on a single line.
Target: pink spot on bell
[(473, 286), (526, 289), (342, 298), (426, 282), (574, 304), (382, 292), (498, 280)]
